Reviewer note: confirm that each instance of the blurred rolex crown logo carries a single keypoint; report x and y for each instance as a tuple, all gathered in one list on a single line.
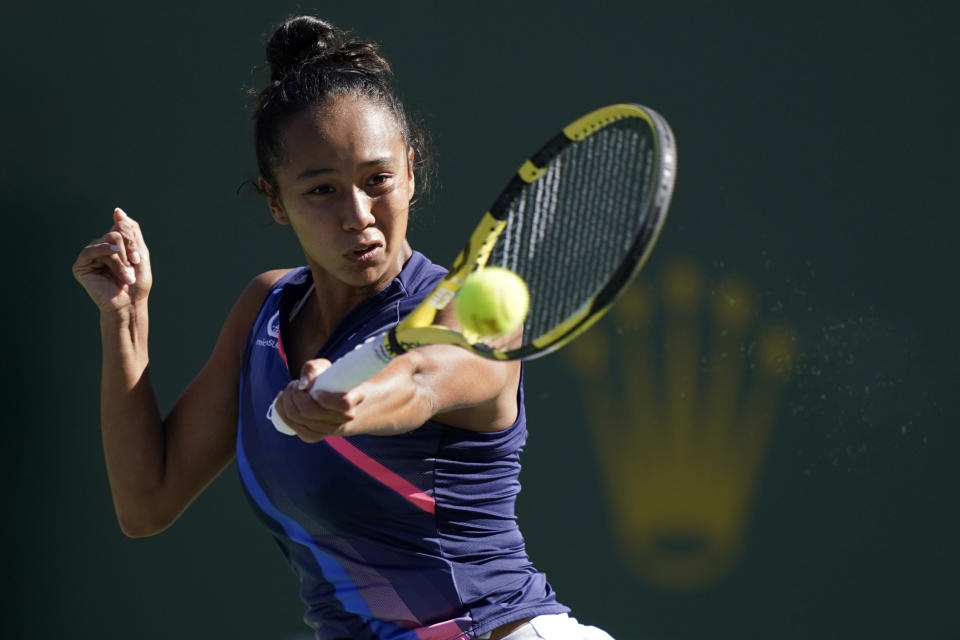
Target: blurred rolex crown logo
[(681, 387)]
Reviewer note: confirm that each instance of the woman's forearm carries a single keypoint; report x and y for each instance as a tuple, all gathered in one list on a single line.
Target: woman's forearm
[(157, 465), (131, 424)]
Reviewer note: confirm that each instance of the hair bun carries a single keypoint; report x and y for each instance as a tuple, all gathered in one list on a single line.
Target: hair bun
[(300, 39), (313, 62)]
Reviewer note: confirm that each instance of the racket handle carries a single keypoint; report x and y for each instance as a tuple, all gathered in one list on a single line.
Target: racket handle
[(366, 360)]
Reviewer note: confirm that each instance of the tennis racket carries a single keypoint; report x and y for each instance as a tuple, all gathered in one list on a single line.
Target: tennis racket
[(577, 222)]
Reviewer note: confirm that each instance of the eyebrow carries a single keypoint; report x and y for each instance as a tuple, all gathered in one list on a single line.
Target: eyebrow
[(312, 172)]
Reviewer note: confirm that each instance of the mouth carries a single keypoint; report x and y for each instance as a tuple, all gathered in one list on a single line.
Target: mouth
[(365, 252)]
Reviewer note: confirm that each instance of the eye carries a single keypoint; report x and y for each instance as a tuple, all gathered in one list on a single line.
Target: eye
[(321, 190), (380, 183)]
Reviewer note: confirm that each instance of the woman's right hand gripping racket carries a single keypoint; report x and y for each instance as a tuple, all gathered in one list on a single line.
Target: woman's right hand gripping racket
[(576, 222)]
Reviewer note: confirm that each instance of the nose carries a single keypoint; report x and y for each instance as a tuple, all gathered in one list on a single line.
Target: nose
[(357, 214)]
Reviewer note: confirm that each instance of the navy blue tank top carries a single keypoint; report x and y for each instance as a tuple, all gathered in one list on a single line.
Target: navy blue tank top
[(410, 537)]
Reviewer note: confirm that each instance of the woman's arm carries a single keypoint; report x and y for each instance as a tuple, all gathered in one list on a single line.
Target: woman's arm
[(438, 381), (157, 466)]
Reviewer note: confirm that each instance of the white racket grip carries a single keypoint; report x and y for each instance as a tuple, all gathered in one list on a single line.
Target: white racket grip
[(365, 361)]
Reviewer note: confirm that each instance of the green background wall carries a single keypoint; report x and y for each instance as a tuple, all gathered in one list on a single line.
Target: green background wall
[(818, 152)]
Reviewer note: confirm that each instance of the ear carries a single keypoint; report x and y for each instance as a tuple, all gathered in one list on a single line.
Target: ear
[(410, 173), (273, 201)]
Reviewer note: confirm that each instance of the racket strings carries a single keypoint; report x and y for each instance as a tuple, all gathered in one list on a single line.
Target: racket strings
[(571, 229)]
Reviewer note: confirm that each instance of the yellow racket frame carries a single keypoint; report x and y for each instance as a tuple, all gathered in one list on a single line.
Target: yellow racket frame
[(417, 329)]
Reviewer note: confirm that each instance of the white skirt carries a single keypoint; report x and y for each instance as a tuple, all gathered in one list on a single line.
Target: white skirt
[(557, 627)]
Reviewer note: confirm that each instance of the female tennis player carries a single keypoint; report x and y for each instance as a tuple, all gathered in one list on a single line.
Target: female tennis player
[(395, 503)]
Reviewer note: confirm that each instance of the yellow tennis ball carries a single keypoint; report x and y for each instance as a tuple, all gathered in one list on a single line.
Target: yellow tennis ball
[(492, 301)]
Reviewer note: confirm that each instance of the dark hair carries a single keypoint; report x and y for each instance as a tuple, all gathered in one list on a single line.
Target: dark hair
[(312, 61)]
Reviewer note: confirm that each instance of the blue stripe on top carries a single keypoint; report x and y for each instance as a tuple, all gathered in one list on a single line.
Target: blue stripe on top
[(349, 596)]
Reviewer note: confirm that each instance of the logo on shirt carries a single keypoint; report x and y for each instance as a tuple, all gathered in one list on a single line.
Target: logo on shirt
[(273, 330), (273, 326)]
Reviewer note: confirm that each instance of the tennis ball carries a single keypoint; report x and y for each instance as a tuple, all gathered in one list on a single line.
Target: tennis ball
[(492, 301)]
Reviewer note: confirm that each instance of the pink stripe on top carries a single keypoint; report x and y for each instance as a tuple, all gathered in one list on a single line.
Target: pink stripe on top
[(380, 473), (441, 631), (282, 352)]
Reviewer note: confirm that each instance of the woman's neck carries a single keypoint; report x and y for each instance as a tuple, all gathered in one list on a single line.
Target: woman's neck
[(332, 299)]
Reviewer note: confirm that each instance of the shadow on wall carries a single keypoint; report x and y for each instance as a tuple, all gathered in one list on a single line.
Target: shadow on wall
[(681, 388)]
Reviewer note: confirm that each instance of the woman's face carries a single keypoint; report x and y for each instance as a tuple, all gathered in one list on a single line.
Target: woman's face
[(345, 186)]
